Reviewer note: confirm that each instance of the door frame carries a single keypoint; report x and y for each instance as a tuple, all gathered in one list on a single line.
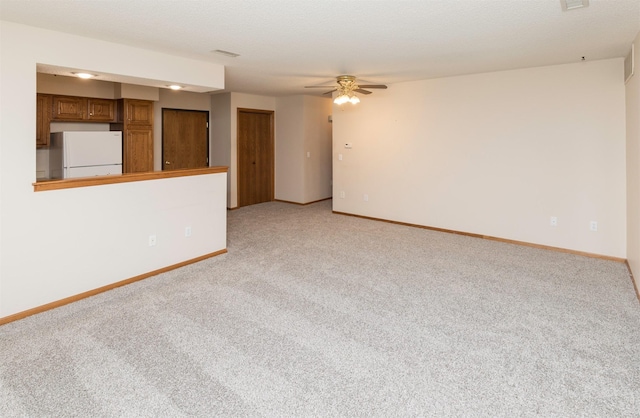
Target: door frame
[(162, 160), (272, 170)]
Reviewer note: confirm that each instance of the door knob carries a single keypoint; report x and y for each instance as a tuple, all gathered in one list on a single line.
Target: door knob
[(167, 163)]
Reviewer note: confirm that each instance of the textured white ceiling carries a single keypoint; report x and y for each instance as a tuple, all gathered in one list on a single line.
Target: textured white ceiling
[(285, 45)]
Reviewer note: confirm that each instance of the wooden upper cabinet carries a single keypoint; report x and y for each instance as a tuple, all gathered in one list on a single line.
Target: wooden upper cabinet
[(43, 120), (101, 110), (68, 108), (53, 108), (79, 109), (138, 112)]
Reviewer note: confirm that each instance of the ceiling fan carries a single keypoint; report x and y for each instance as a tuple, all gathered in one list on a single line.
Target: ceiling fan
[(347, 87)]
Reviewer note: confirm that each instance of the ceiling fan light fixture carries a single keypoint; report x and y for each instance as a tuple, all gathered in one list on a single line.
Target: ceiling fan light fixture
[(341, 99), (347, 88)]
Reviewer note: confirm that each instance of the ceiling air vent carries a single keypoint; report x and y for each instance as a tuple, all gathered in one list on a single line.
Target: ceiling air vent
[(573, 4), (225, 53)]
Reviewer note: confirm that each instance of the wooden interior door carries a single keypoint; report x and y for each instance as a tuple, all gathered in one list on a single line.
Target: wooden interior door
[(255, 156), (185, 139)]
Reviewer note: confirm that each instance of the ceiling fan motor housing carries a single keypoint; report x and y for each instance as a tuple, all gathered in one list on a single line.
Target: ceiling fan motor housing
[(347, 86)]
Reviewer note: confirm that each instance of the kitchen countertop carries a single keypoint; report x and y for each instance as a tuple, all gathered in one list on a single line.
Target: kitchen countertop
[(44, 185)]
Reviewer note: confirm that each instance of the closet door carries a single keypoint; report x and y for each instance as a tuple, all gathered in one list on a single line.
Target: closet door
[(255, 156)]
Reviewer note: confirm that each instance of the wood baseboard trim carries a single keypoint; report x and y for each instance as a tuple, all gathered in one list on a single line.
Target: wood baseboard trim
[(89, 293), (288, 201), (633, 280), (488, 237), (303, 204)]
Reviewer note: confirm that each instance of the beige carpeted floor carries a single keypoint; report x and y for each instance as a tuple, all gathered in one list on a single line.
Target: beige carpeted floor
[(316, 314)]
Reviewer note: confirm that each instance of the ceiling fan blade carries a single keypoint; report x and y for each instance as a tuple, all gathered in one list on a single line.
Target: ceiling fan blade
[(363, 91), (372, 86), (329, 92), (317, 87)]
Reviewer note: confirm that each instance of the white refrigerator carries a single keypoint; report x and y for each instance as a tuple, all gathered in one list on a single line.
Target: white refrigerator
[(85, 154)]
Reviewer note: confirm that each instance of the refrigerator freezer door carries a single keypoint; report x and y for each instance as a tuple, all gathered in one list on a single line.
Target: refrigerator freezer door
[(92, 148), (96, 170)]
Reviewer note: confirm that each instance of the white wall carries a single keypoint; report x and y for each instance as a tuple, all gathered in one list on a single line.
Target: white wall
[(303, 148), (99, 235), (220, 130), (317, 135), (495, 154), (290, 149), (60, 243), (633, 167)]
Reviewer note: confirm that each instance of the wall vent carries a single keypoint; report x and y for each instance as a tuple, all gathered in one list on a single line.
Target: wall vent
[(573, 4)]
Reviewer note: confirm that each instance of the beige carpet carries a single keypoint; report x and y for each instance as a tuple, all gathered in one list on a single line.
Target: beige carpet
[(316, 314)]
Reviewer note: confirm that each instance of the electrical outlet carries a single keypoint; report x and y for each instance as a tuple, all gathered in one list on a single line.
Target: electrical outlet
[(339, 157), (593, 225), (152, 240), (366, 197), (342, 194), (187, 231), (553, 221)]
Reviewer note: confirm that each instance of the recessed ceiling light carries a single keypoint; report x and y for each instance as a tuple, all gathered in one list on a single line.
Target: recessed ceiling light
[(573, 4), (225, 53), (84, 75), (175, 87)]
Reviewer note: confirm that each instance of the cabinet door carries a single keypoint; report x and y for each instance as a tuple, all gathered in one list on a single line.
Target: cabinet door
[(138, 112), (137, 150), (101, 110), (43, 120), (69, 108)]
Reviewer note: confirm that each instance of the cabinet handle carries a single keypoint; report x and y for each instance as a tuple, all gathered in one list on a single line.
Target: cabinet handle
[(167, 163)]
